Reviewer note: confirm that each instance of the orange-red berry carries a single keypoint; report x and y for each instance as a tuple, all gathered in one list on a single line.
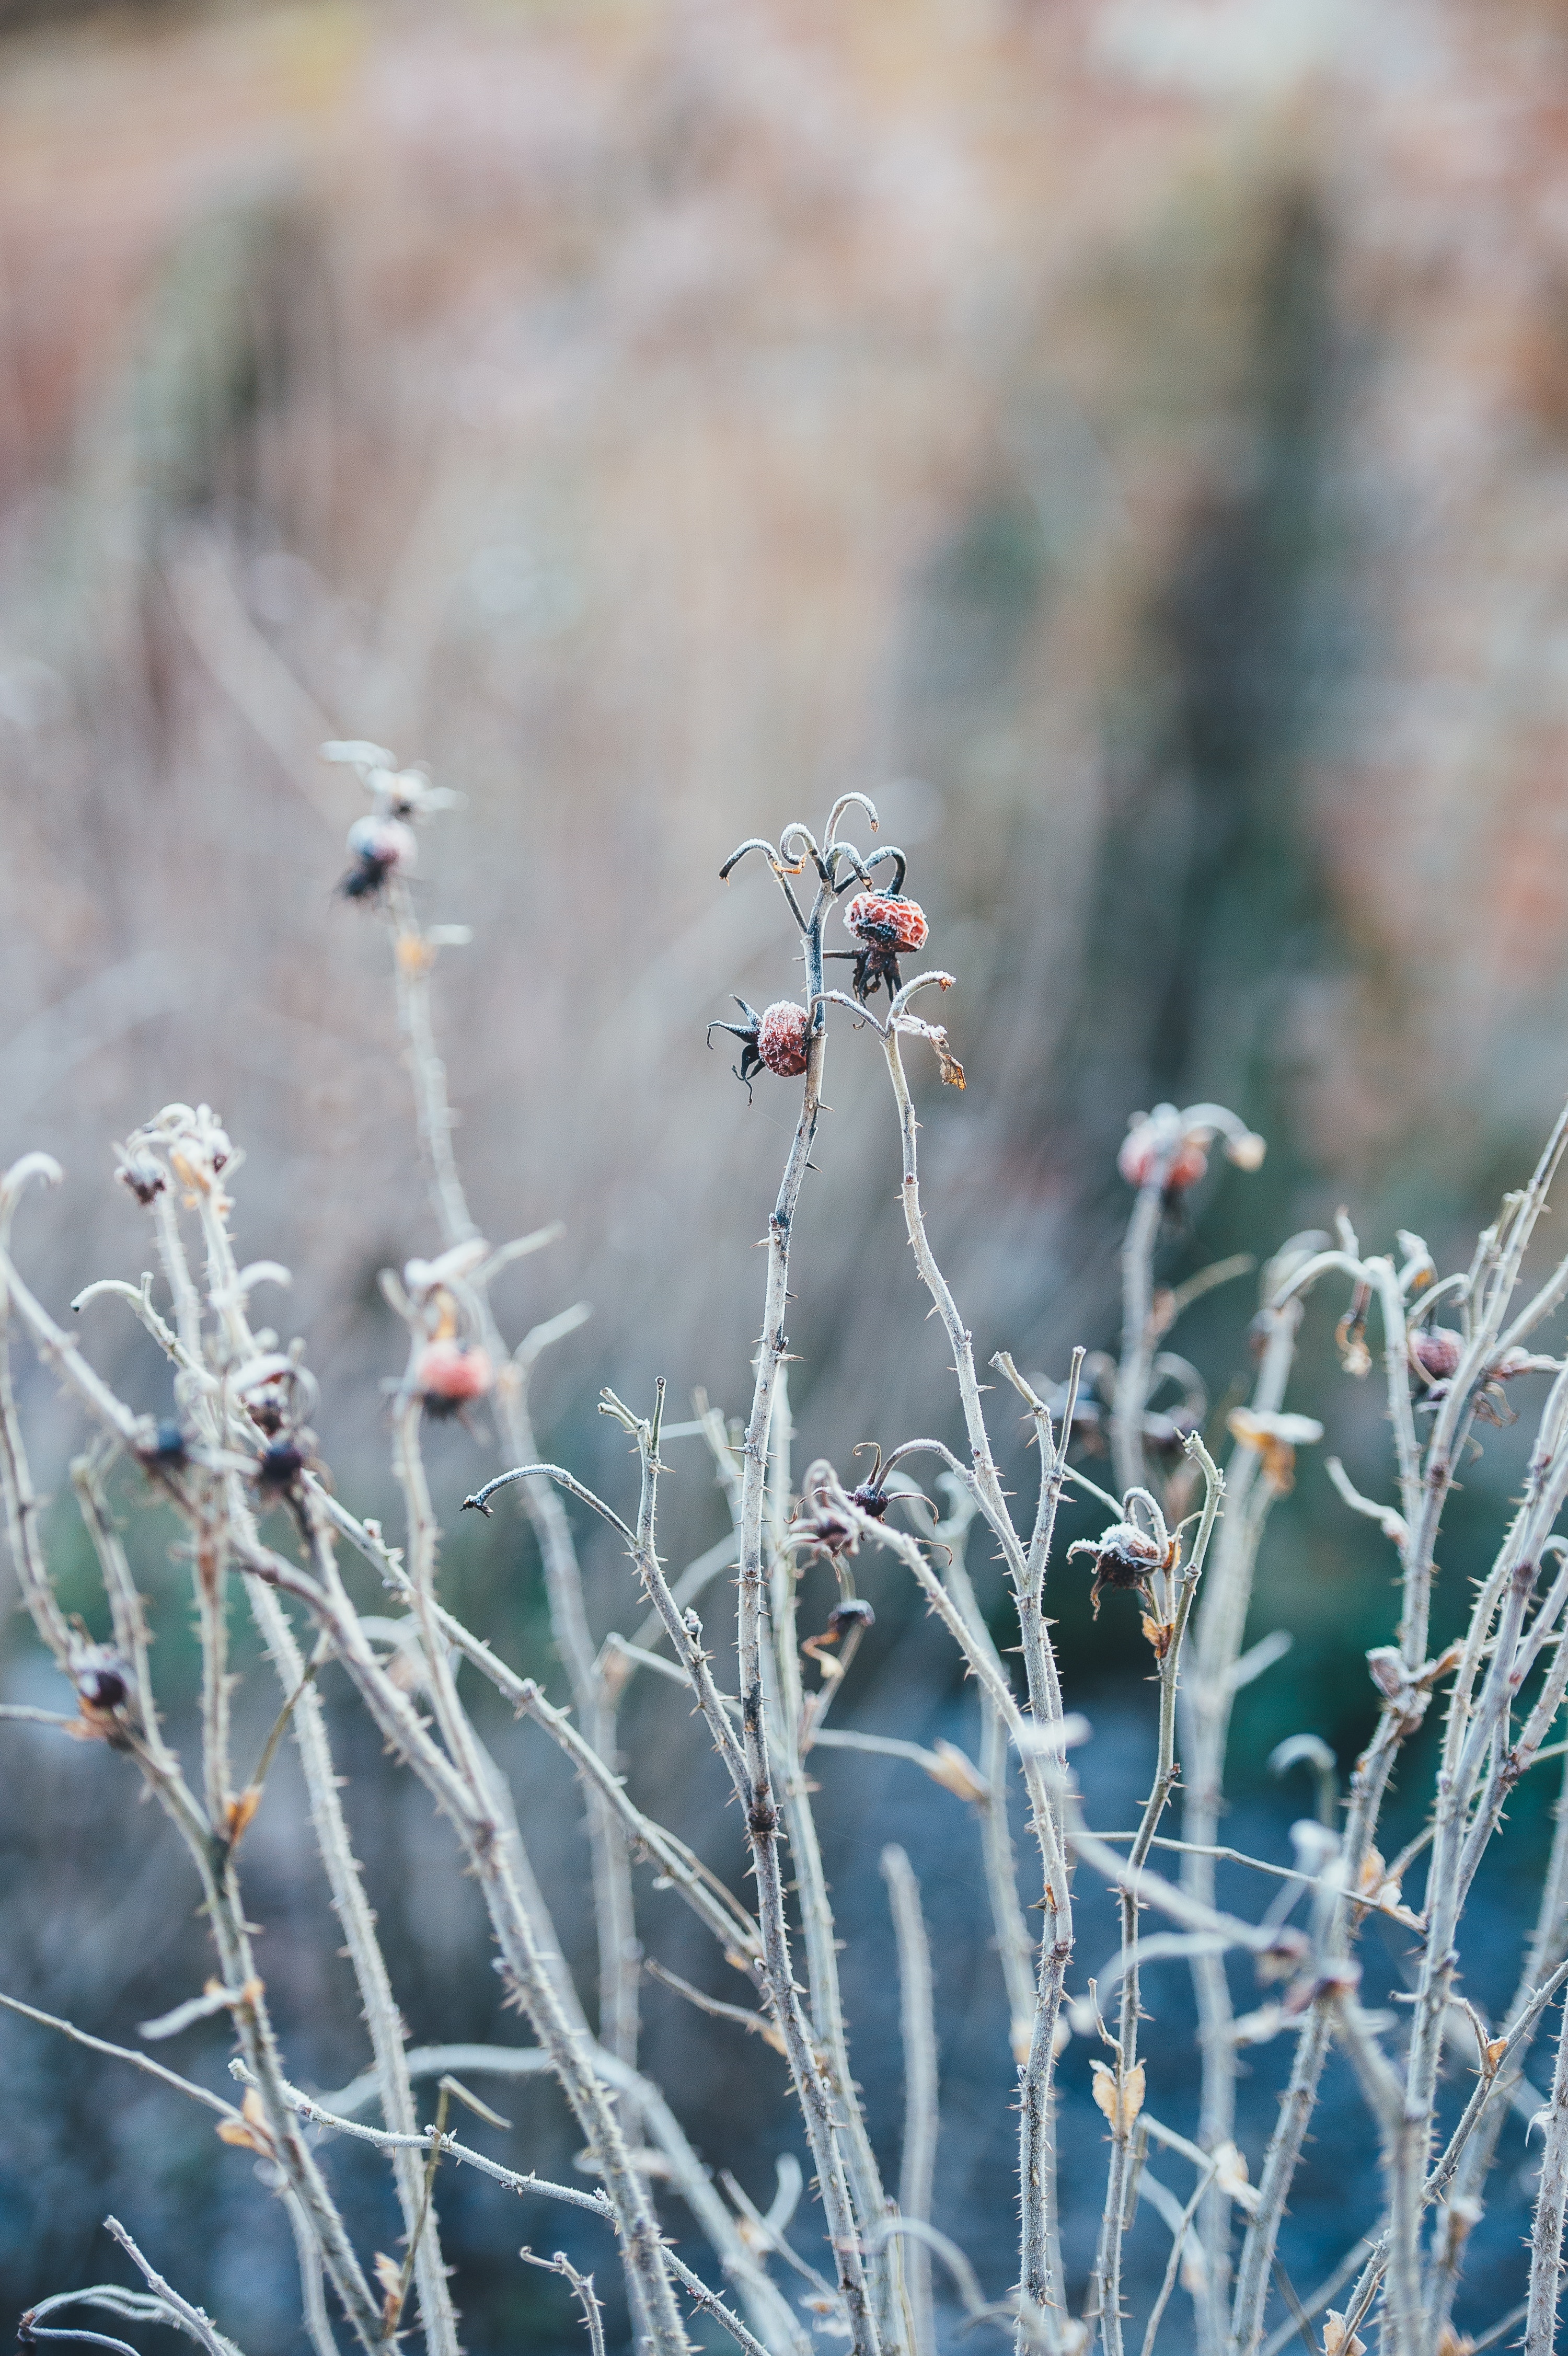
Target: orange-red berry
[(1141, 1149), (449, 1376)]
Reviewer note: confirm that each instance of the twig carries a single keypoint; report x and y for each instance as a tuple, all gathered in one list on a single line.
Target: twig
[(917, 2016)]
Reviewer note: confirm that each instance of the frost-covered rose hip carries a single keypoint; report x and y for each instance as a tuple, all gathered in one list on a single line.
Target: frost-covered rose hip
[(784, 1038), (1141, 1149), (449, 1374), (884, 923), (1179, 1143), (1436, 1350), (779, 1039)]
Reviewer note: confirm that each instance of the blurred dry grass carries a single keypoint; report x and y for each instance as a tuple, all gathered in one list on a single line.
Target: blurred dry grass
[(663, 417)]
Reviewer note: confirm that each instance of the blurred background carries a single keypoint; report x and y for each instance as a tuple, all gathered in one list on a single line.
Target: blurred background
[(1129, 438)]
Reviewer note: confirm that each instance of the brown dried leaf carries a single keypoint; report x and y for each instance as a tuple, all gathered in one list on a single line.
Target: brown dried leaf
[(1493, 2053), (1120, 2103), (388, 2273), (241, 1812), (230, 2131), (1337, 2340), (956, 1773)]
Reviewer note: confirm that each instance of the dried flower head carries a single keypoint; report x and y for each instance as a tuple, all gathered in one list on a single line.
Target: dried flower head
[(821, 1525), (378, 847), (197, 1145), (141, 1172), (278, 1469), (1124, 1558), (873, 1496), (168, 1449)]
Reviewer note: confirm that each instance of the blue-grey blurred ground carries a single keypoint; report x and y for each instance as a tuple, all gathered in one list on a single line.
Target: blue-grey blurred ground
[(1129, 439)]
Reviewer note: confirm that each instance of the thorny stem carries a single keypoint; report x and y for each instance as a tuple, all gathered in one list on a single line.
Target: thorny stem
[(1550, 2206), (1137, 1335), (413, 961), (786, 1716), (1106, 2292), (1040, 2270), (304, 1706), (1208, 1696), (462, 1786), (918, 2163), (209, 1843), (824, 2103)]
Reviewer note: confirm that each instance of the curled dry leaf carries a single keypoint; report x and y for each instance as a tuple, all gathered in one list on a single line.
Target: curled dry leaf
[(241, 1812), (1121, 2102), (954, 1770), (253, 2135), (1337, 2340), (1230, 2176)]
